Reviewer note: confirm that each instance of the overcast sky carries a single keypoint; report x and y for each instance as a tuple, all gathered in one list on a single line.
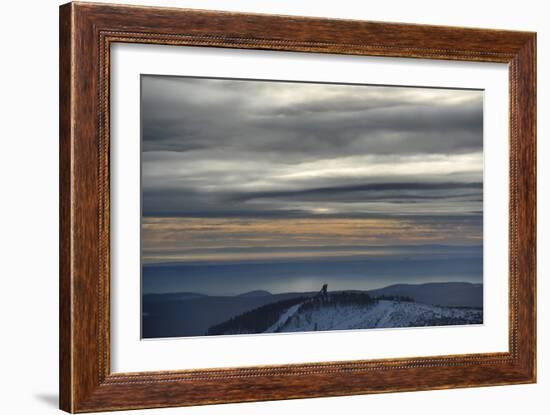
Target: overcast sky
[(234, 167)]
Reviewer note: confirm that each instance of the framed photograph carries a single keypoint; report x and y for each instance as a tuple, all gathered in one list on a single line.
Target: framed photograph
[(258, 207)]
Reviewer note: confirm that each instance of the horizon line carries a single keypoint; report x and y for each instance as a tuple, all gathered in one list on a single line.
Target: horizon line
[(309, 292)]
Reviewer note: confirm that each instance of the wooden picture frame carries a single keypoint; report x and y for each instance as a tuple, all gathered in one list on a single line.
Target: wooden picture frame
[(86, 33)]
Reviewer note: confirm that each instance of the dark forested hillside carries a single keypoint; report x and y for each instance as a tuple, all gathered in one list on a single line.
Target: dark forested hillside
[(255, 321)]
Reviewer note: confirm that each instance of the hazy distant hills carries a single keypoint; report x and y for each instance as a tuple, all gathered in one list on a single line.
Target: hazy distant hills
[(173, 296), (192, 314), (462, 294), (413, 265), (255, 293)]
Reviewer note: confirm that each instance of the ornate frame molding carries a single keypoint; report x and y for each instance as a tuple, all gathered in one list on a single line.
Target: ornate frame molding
[(87, 31)]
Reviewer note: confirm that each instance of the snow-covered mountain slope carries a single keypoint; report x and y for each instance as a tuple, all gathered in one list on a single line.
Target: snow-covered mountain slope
[(346, 312), (381, 314)]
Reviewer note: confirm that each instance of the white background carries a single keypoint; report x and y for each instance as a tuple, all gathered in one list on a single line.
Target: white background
[(28, 232), (129, 354)]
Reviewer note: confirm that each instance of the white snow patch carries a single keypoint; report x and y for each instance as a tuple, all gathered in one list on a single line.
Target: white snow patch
[(284, 318)]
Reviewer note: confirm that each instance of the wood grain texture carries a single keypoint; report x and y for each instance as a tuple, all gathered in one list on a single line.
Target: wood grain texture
[(65, 245), (86, 33)]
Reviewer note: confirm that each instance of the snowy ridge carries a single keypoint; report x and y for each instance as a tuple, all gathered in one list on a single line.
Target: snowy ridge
[(381, 314), (346, 311)]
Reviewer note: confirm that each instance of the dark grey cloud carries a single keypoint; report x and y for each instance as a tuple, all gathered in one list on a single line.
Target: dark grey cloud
[(375, 200), (230, 148), (247, 117), (404, 189)]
